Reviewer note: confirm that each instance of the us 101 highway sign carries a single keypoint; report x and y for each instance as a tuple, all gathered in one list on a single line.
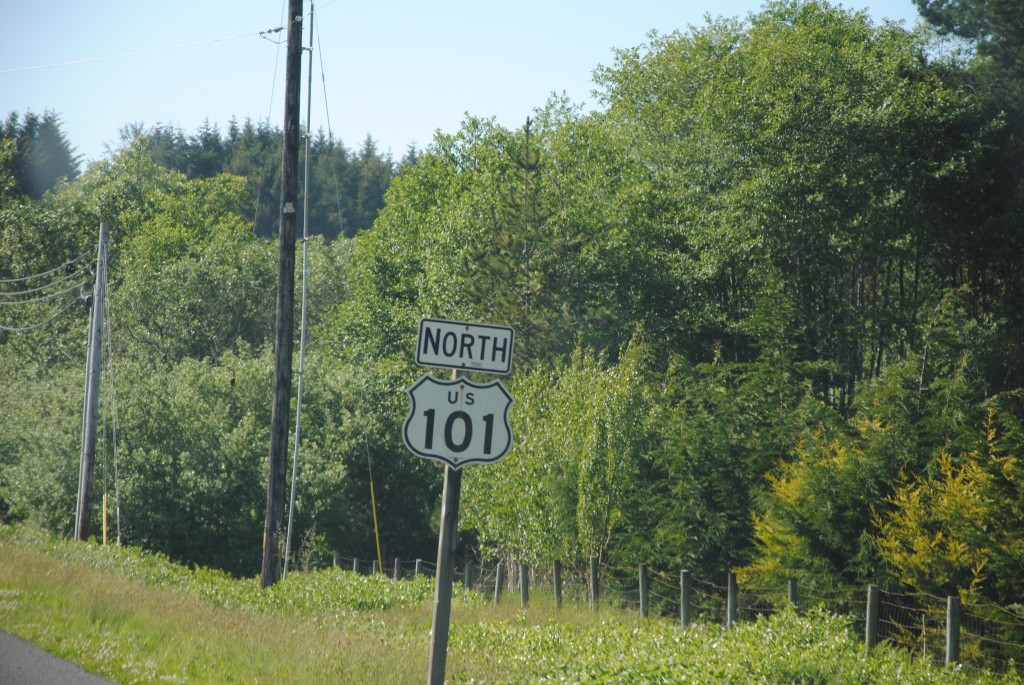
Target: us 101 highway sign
[(458, 422)]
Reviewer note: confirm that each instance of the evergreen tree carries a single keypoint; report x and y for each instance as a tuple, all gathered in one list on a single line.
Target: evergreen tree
[(43, 156)]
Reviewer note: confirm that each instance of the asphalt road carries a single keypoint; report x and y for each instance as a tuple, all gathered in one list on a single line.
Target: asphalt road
[(22, 663)]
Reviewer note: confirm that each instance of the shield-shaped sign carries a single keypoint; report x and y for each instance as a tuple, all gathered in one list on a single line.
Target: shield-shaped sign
[(458, 422)]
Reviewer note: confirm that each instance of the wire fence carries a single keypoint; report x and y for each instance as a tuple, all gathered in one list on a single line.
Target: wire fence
[(987, 636)]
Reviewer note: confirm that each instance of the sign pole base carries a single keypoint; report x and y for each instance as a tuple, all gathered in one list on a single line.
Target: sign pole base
[(447, 540)]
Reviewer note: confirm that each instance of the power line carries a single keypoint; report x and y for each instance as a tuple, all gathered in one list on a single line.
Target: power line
[(32, 327), (54, 270), (110, 404), (42, 298), (69, 274), (270, 112), (20, 293), (138, 53), (330, 134)]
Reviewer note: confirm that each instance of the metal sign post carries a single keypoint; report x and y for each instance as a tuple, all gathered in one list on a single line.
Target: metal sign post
[(456, 422), (447, 539)]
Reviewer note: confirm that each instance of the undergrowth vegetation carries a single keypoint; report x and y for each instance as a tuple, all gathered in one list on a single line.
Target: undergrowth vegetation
[(136, 617)]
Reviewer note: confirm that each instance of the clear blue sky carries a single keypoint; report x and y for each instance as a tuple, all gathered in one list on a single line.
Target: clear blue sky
[(394, 69)]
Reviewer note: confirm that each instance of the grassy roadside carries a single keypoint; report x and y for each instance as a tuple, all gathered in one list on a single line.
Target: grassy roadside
[(132, 633), (140, 619), (137, 618)]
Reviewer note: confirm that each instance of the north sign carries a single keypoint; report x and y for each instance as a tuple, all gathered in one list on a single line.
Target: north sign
[(458, 422), (466, 346)]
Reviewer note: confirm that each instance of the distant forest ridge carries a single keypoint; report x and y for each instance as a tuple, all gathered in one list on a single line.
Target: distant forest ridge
[(346, 186)]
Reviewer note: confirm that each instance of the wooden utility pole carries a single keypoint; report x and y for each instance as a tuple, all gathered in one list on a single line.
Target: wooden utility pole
[(283, 342), (92, 392)]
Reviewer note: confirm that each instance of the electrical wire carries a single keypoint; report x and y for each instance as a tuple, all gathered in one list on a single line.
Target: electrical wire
[(270, 111), (54, 270), (111, 405), (337, 192), (43, 298), (29, 291), (32, 327), (137, 53), (330, 134)]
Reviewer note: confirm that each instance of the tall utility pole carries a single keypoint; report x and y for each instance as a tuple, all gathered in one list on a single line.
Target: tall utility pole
[(92, 392), (305, 292), (283, 342)]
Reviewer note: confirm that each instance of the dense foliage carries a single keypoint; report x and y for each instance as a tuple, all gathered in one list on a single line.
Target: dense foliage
[(767, 304), (346, 186)]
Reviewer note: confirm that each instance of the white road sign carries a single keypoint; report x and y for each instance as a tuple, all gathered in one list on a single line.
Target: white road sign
[(458, 422), (467, 346)]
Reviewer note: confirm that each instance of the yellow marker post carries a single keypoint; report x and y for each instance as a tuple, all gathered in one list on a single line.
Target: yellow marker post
[(376, 529)]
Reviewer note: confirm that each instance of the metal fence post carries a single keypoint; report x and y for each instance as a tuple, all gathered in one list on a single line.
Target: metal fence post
[(558, 583), (685, 595), (499, 581), (644, 598), (731, 601), (871, 617), (952, 630)]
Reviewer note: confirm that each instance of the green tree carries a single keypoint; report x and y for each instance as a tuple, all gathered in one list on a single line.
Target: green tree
[(43, 156), (826, 500), (954, 528), (352, 432), (580, 432), (195, 245), (40, 439), (806, 152), (723, 427), (192, 467)]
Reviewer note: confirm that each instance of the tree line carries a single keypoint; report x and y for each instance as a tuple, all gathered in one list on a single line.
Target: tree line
[(766, 302), (346, 186)]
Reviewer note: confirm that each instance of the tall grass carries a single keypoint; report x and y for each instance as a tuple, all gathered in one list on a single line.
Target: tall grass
[(133, 633), (137, 618)]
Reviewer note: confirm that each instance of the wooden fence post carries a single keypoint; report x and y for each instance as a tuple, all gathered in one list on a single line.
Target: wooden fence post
[(468, 578), (374, 568), (397, 574), (595, 583), (558, 583), (524, 585), (499, 581), (644, 598), (685, 595), (731, 601), (952, 630), (419, 568), (355, 565), (871, 616), (791, 592)]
